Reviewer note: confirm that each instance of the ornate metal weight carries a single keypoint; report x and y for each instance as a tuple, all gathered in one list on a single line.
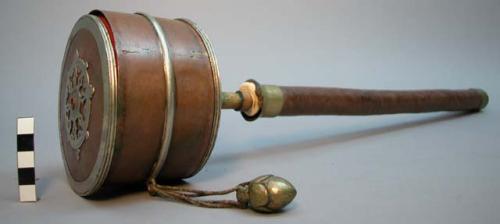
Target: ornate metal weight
[(267, 193)]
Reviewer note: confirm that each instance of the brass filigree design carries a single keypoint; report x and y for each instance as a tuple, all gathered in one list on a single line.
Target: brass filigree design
[(78, 97)]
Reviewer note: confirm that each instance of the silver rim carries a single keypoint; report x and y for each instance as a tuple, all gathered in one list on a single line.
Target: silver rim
[(106, 147), (217, 91)]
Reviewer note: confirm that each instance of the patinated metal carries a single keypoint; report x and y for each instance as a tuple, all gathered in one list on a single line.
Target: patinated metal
[(88, 168), (217, 89), (78, 98), (267, 193), (170, 95), (140, 101), (272, 100)]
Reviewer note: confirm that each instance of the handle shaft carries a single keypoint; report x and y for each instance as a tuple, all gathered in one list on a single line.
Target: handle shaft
[(338, 101), (255, 100)]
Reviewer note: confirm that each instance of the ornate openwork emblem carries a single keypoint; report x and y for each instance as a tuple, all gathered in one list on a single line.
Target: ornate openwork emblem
[(78, 97)]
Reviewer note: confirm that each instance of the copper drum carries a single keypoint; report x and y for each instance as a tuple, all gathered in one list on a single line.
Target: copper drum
[(139, 98)]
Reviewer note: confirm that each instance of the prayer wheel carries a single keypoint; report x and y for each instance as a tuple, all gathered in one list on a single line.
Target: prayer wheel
[(140, 99)]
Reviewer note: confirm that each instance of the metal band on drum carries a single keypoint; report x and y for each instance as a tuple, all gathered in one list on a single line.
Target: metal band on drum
[(217, 89), (170, 93)]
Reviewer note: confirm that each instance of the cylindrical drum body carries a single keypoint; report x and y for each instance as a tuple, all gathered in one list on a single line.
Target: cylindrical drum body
[(139, 98)]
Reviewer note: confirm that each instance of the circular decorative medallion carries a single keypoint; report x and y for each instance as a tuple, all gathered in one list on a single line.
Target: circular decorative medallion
[(78, 97), (87, 105)]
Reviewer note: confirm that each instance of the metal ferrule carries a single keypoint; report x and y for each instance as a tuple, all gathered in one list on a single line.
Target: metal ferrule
[(272, 100)]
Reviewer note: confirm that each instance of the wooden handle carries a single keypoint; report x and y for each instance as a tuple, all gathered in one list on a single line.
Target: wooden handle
[(338, 101), (255, 100)]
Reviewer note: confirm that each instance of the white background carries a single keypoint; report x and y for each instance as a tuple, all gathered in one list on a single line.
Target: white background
[(433, 168)]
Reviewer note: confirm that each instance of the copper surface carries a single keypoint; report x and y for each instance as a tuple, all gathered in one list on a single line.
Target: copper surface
[(195, 97), (141, 97), (86, 45), (141, 92)]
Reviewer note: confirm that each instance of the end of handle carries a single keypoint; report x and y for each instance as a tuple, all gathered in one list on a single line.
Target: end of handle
[(484, 98)]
